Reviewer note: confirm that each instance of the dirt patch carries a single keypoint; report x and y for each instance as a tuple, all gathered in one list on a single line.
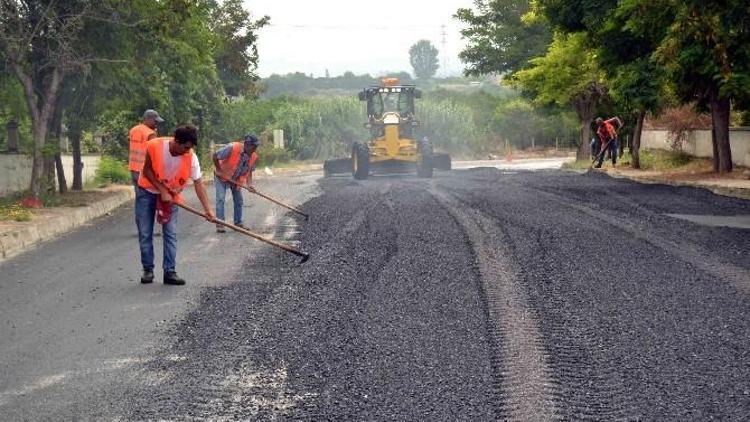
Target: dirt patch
[(81, 199)]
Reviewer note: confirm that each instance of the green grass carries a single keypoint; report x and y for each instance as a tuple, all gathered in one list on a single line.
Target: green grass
[(111, 171), (660, 160), (14, 212)]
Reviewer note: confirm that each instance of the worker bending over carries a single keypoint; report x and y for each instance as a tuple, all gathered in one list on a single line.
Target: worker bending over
[(605, 130), (169, 164), (235, 162)]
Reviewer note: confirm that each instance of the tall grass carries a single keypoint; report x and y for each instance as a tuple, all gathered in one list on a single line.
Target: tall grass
[(111, 171)]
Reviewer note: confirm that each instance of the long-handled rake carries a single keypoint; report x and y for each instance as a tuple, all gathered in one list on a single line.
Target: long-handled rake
[(265, 196), (305, 256)]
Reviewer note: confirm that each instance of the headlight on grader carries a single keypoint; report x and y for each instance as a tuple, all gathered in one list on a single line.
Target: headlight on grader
[(390, 119)]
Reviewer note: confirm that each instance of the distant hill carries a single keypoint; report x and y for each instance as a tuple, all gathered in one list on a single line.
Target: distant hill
[(299, 84)]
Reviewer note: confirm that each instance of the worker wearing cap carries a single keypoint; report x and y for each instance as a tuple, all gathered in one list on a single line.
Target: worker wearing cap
[(235, 162), (169, 164), (139, 135)]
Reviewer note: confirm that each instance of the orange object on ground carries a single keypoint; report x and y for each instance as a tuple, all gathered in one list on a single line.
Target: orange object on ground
[(31, 202)]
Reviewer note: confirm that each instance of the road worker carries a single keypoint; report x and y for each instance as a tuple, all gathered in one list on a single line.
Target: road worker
[(607, 133), (235, 162), (169, 164), (139, 135)]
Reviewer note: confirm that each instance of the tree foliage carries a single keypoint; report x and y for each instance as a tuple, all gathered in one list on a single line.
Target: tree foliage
[(84, 62), (568, 75), (236, 52), (423, 57), (500, 39)]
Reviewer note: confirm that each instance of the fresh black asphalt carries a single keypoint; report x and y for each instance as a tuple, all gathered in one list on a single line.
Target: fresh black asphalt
[(629, 314)]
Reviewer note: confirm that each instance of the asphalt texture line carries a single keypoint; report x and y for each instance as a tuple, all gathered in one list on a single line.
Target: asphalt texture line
[(383, 323), (633, 331), (526, 388)]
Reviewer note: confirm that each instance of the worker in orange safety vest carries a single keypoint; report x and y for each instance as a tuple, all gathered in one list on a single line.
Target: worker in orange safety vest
[(169, 164), (139, 135), (235, 162)]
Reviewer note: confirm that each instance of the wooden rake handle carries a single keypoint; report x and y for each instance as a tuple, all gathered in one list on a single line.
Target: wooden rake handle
[(263, 195), (602, 152), (305, 256)]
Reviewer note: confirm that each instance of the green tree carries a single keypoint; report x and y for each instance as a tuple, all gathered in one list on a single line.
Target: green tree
[(636, 82), (707, 53), (500, 40), (236, 51), (38, 40), (701, 45), (423, 57), (568, 75)]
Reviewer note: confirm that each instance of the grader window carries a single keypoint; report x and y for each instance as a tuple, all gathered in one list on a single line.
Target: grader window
[(385, 100)]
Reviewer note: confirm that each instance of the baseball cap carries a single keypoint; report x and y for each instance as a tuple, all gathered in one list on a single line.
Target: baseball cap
[(152, 114), (251, 140)]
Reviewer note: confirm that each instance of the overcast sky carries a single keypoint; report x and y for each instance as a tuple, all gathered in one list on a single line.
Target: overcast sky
[(362, 36)]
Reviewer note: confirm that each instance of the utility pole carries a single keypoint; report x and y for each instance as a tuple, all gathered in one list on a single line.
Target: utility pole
[(443, 49)]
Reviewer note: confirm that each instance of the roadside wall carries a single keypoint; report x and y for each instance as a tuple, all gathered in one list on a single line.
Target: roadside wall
[(699, 143), (15, 171)]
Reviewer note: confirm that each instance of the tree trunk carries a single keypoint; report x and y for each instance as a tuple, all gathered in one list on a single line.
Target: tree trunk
[(41, 110), (715, 148), (62, 184), (585, 106), (74, 134), (635, 148), (720, 109), (584, 147)]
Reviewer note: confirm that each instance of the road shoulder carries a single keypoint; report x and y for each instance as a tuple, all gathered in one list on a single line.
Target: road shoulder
[(49, 223), (725, 186)]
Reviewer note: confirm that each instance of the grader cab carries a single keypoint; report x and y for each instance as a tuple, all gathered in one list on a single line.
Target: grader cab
[(392, 146)]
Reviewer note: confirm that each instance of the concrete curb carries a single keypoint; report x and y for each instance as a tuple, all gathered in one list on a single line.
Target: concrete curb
[(43, 229)]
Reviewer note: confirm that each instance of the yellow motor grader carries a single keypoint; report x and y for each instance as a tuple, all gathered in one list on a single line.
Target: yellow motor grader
[(392, 147)]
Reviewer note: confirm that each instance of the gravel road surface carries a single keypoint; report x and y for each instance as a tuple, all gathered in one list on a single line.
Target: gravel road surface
[(480, 294)]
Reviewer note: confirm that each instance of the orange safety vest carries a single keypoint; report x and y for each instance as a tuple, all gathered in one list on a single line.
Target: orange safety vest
[(229, 166), (155, 150), (138, 137)]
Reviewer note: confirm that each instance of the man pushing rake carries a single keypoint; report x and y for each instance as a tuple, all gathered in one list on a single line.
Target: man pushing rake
[(169, 164)]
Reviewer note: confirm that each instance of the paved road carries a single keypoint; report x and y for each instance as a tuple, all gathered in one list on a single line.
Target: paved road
[(481, 294)]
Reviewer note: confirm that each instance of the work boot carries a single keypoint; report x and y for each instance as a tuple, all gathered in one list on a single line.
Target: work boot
[(171, 277), (220, 229), (147, 277), (240, 225)]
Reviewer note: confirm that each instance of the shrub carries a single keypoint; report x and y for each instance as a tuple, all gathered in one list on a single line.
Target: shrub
[(663, 160), (111, 170), (270, 156)]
